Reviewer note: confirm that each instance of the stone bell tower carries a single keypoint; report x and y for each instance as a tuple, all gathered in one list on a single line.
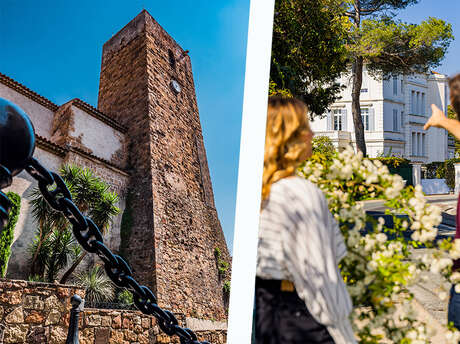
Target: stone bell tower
[(147, 85)]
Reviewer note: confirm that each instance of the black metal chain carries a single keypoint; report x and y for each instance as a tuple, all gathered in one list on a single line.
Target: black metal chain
[(5, 204), (58, 196)]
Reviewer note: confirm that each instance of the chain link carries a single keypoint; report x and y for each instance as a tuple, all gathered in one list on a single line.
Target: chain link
[(5, 204), (88, 235)]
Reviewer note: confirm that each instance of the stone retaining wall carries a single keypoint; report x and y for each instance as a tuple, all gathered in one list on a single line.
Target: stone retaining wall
[(38, 313)]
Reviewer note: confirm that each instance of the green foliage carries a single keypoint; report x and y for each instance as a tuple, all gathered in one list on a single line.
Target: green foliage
[(125, 297), (7, 235), (226, 287), (54, 252), (393, 161), (35, 278), (53, 247), (308, 53), (388, 47), (222, 265), (443, 170), (127, 221), (395, 47), (435, 170), (323, 145), (450, 172), (98, 286)]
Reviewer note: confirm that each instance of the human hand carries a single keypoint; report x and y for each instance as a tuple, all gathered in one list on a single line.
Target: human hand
[(437, 118)]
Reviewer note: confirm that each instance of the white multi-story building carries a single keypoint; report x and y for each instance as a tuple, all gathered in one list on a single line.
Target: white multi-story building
[(394, 112)]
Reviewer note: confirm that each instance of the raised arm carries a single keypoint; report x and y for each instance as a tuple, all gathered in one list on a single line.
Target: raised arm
[(438, 119)]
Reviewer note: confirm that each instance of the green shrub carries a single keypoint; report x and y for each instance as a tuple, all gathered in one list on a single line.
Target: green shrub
[(393, 161), (223, 267), (323, 145), (226, 287), (98, 286), (125, 297), (35, 278), (450, 173), (7, 235), (435, 170), (446, 170), (127, 220)]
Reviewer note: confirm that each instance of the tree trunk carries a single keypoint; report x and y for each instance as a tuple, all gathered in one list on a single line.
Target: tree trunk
[(69, 272), (357, 75)]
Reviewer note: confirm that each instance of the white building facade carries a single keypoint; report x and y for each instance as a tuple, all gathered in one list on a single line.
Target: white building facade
[(394, 112)]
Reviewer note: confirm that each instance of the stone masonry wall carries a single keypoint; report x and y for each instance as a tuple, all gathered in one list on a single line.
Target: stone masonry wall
[(38, 313), (175, 225)]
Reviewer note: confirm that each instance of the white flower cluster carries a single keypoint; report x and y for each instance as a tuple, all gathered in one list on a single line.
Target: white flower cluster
[(454, 252), (453, 337), (377, 268), (418, 335), (426, 217)]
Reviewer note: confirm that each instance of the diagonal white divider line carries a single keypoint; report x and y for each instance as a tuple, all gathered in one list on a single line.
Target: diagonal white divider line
[(250, 171)]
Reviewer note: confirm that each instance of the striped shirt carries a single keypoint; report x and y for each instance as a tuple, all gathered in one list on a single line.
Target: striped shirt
[(300, 241)]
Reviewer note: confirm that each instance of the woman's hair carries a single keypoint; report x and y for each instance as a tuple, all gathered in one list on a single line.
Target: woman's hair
[(284, 145), (454, 88)]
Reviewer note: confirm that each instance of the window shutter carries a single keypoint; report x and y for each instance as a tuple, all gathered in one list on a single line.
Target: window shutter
[(371, 119), (344, 119), (329, 120)]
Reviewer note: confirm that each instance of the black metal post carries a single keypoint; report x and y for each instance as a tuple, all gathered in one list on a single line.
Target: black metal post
[(77, 306)]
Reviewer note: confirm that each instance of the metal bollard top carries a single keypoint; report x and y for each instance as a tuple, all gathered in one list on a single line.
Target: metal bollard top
[(77, 302)]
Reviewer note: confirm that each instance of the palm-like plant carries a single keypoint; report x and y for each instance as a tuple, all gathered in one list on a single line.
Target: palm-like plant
[(91, 195), (98, 286)]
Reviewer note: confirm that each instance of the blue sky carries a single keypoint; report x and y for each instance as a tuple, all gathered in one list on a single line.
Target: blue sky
[(54, 48), (447, 10)]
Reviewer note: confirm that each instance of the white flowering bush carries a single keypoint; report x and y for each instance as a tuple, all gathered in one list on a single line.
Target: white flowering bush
[(379, 267)]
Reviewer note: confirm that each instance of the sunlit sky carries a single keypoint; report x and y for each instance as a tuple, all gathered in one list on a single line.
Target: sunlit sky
[(54, 48), (447, 10)]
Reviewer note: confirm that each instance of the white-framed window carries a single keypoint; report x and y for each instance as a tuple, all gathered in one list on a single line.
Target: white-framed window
[(417, 108), (395, 84), (365, 118), (337, 119), (419, 145), (402, 86), (423, 145), (413, 145), (402, 119), (412, 102), (395, 120), (364, 84), (423, 104)]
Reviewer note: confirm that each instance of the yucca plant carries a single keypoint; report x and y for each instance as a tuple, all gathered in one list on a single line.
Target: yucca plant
[(98, 286), (91, 195)]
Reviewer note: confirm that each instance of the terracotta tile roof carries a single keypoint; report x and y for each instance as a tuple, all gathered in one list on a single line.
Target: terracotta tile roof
[(11, 83), (27, 92), (45, 144), (49, 146)]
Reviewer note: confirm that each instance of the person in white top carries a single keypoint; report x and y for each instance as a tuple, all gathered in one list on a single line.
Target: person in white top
[(300, 294)]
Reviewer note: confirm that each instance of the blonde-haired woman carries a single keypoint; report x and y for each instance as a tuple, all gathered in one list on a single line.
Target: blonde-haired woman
[(300, 294)]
